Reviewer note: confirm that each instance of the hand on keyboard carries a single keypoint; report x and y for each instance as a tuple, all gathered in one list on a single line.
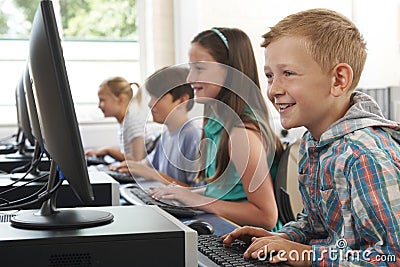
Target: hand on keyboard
[(121, 177), (94, 160), (212, 252), (135, 195)]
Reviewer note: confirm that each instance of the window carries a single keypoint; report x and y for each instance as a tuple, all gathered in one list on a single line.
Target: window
[(99, 39)]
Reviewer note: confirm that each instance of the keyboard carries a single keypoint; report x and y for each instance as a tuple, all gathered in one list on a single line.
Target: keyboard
[(211, 252), (5, 218), (94, 160), (121, 177), (135, 195)]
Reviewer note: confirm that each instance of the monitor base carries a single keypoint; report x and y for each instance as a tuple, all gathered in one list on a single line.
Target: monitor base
[(62, 219), (20, 156), (40, 176)]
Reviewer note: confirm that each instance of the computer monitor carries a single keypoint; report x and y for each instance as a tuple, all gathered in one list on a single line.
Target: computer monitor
[(32, 172), (22, 111), (30, 102), (24, 127), (59, 130)]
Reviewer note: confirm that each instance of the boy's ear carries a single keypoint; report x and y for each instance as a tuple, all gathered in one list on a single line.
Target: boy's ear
[(342, 78), (183, 98)]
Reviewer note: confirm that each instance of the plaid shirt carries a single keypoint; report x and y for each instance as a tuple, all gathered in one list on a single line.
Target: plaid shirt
[(350, 185)]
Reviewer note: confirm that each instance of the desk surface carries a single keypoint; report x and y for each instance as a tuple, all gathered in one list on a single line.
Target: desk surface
[(221, 226), (8, 163), (138, 236)]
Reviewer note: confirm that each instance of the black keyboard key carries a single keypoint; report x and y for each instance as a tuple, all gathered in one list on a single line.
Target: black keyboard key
[(212, 247)]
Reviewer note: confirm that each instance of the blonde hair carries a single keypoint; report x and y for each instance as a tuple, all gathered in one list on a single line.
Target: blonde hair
[(119, 85), (330, 37)]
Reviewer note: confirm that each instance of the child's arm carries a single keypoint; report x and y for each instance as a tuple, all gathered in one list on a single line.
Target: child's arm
[(249, 157), (116, 154), (112, 152), (375, 200), (250, 160), (143, 169), (363, 213), (137, 149)]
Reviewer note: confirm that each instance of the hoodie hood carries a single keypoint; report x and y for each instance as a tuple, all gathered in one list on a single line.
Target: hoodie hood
[(363, 112)]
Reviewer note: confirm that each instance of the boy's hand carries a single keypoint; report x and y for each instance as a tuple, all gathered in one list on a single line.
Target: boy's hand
[(245, 233)]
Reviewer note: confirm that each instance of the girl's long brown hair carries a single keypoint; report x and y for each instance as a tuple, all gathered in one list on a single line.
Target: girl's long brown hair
[(240, 92)]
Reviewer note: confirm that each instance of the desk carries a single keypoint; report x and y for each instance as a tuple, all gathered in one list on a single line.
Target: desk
[(155, 239), (220, 225), (209, 243), (8, 164)]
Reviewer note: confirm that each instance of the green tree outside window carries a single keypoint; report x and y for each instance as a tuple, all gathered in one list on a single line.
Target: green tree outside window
[(82, 19)]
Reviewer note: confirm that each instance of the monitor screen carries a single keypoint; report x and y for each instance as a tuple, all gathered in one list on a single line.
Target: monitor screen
[(59, 129)]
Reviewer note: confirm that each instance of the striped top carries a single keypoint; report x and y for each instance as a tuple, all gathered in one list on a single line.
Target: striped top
[(350, 185)]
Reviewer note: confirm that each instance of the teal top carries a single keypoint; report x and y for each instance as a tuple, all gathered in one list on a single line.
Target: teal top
[(230, 188), (224, 189)]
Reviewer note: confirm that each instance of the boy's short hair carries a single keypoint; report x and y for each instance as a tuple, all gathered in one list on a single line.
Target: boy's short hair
[(330, 37), (171, 80)]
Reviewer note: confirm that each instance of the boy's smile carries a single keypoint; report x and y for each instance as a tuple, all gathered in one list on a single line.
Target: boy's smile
[(297, 86)]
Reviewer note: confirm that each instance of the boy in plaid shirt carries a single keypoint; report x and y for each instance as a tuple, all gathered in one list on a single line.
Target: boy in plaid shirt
[(349, 161)]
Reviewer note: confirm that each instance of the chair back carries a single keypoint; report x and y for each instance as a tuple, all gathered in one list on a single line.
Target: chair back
[(285, 212)]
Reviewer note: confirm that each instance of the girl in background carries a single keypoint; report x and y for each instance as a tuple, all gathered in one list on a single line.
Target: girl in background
[(240, 151), (172, 160), (115, 95)]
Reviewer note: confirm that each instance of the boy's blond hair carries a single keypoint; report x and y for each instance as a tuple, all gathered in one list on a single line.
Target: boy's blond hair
[(330, 38)]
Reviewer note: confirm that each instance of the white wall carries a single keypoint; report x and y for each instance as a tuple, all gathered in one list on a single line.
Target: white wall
[(379, 23), (252, 16)]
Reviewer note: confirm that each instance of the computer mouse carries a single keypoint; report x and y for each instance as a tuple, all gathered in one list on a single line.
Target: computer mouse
[(201, 227)]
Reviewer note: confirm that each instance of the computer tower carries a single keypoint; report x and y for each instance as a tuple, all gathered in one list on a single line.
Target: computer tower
[(105, 190), (138, 236)]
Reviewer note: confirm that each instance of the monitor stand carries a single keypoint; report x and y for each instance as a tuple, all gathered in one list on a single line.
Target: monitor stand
[(19, 155), (8, 148), (22, 153), (33, 173), (48, 217)]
